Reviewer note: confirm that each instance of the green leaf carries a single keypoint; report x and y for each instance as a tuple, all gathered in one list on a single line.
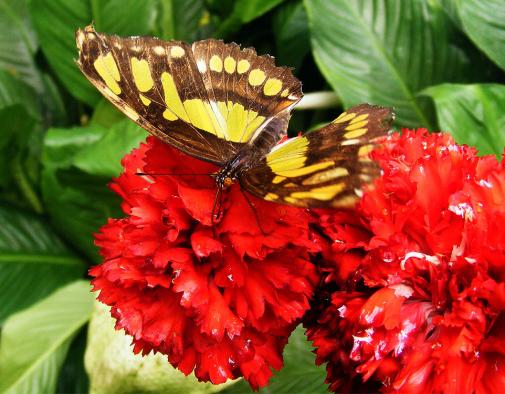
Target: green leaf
[(249, 10), (35, 341), (19, 157), (33, 261), (78, 164), (291, 30), (484, 22), (73, 377), (473, 114), (13, 91), (56, 21), (299, 375), (385, 52), (245, 11), (20, 136), (181, 19), (17, 43), (105, 114)]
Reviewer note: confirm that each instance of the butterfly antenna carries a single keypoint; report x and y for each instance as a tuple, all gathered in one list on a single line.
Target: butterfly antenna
[(171, 174), (255, 212)]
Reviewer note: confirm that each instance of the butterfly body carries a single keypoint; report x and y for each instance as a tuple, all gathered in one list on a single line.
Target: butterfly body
[(231, 107)]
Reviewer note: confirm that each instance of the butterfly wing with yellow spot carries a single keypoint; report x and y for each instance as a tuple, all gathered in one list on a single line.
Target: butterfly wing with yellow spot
[(207, 99), (323, 168)]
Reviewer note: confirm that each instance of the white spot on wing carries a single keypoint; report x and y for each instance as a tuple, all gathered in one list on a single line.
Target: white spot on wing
[(159, 50), (202, 67)]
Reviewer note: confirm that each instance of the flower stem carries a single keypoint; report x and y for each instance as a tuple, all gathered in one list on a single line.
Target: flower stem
[(318, 100)]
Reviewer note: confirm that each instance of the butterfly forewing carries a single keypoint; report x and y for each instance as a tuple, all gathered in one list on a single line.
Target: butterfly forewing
[(207, 99), (323, 168)]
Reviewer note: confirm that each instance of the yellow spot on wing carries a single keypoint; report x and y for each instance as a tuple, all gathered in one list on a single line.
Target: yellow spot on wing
[(229, 64), (364, 151), (177, 52), (200, 115), (175, 108), (106, 67), (325, 176), (291, 173), (324, 193), (256, 77), (278, 179), (216, 64), (272, 86), (355, 133), (290, 200), (356, 125), (142, 74), (293, 147), (359, 118), (252, 126), (242, 66), (237, 120), (285, 93), (271, 197), (144, 100), (288, 164), (240, 123), (344, 117)]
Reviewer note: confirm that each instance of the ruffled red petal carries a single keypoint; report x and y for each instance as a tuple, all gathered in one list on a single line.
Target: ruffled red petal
[(220, 301)]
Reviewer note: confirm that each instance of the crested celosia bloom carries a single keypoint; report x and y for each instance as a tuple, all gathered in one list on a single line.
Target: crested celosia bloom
[(220, 300), (414, 281)]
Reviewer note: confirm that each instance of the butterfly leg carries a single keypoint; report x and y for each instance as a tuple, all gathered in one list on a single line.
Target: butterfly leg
[(216, 209), (255, 212)]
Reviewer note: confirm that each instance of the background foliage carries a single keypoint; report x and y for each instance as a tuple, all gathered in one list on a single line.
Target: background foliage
[(440, 63)]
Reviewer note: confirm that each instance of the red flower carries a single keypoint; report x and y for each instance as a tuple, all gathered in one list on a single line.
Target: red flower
[(221, 301), (414, 288)]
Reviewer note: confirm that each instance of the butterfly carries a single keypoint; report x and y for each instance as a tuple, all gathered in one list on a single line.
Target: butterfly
[(229, 106)]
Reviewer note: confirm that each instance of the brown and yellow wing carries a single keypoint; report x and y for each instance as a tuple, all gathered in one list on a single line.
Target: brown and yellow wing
[(323, 168), (207, 99)]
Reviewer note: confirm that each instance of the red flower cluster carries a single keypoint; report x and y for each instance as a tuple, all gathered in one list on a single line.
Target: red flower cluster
[(220, 302), (414, 282)]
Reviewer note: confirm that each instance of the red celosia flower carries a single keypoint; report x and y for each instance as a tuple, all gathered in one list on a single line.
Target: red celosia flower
[(414, 288), (221, 301)]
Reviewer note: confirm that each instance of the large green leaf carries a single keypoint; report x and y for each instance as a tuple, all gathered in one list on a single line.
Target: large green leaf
[(33, 261), (78, 164), (17, 43), (385, 51), (35, 341), (484, 22), (73, 377), (181, 19), (291, 31), (14, 91), (19, 143), (57, 20), (299, 375), (244, 11), (20, 136), (473, 114)]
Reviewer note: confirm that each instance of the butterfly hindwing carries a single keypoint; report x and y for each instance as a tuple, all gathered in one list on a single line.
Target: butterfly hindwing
[(326, 167), (207, 99)]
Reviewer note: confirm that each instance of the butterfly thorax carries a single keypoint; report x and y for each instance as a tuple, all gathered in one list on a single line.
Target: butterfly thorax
[(232, 170)]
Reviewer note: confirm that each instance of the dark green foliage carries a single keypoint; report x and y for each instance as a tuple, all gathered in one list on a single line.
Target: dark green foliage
[(438, 62)]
